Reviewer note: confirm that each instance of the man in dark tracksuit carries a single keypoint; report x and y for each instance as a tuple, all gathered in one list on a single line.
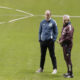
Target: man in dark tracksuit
[(67, 43), (47, 35)]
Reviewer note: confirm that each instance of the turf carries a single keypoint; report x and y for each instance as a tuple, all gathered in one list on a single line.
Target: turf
[(19, 46)]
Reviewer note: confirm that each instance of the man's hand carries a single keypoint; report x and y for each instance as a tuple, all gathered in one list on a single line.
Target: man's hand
[(59, 41), (40, 41)]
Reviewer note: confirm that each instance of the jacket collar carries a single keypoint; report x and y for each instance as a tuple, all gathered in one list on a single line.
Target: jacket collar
[(66, 24), (49, 20)]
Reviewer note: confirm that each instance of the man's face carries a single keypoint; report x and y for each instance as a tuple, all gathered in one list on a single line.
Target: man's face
[(65, 19), (47, 15)]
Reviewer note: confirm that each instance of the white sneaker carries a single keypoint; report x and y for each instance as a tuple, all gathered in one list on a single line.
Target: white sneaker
[(39, 70), (54, 71)]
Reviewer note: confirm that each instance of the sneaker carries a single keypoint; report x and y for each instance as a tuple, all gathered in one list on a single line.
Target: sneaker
[(39, 70), (54, 71), (67, 75)]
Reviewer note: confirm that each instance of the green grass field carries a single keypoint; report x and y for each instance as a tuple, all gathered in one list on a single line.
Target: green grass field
[(19, 46)]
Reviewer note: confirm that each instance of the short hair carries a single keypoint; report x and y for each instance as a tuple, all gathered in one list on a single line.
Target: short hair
[(48, 11), (66, 17)]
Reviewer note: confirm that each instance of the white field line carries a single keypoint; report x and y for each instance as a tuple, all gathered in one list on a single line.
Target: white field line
[(5, 7), (14, 20), (19, 19), (18, 10), (62, 16), (52, 15), (41, 15), (2, 22), (30, 15), (24, 12), (59, 16), (11, 15), (75, 16)]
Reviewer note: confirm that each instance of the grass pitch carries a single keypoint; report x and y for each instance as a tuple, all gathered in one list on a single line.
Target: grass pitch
[(19, 46)]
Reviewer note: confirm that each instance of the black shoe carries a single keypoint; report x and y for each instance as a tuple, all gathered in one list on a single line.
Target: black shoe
[(67, 75)]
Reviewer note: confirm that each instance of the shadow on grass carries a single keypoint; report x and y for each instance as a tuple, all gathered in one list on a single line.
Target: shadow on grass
[(31, 74)]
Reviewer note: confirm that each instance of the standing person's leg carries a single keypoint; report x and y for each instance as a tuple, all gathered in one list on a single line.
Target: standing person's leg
[(67, 57), (64, 53), (51, 48), (69, 64), (43, 47)]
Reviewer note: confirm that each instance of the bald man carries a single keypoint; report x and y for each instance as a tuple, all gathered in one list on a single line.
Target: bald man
[(47, 36), (66, 42)]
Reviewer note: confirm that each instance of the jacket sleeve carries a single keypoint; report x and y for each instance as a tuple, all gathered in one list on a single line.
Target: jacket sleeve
[(40, 31), (63, 35), (55, 31)]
